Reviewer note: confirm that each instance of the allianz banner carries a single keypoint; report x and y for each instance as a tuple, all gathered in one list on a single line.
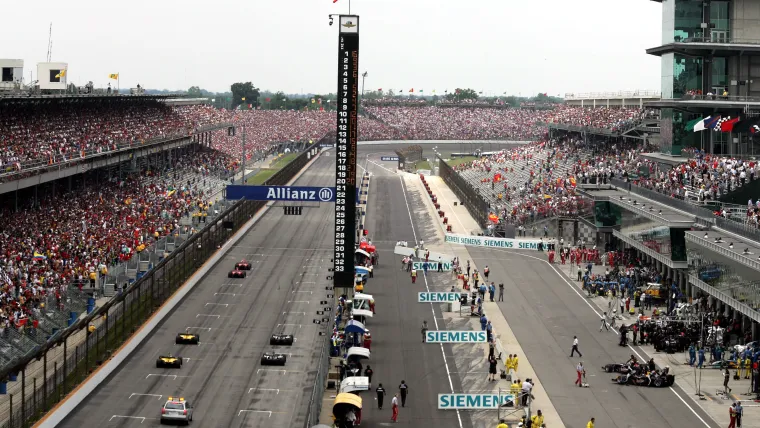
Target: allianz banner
[(489, 242)]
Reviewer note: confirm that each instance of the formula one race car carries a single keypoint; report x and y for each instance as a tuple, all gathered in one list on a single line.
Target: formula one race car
[(236, 273), (657, 379), (272, 359), (168, 361), (187, 339), (617, 368), (281, 339), (243, 265)]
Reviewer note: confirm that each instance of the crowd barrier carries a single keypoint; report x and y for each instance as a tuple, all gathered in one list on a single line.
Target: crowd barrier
[(95, 337)]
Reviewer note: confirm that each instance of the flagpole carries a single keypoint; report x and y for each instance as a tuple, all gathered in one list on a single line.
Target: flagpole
[(118, 82)]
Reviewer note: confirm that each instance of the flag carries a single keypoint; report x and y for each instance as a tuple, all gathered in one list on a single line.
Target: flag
[(457, 91), (114, 76), (480, 92), (446, 91), (266, 99), (719, 123), (433, 90), (700, 126), (379, 89), (242, 99), (728, 125), (38, 256), (60, 74), (335, 1), (746, 125), (313, 101), (422, 90), (411, 90), (690, 125), (711, 122)]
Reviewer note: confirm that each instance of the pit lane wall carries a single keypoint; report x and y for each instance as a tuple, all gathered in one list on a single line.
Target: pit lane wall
[(114, 331)]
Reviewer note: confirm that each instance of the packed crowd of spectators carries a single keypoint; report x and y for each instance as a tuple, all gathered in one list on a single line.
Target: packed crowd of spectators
[(68, 237), (615, 119), (703, 178), (33, 135)]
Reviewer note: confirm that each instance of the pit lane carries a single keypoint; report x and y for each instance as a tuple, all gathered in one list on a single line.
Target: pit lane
[(222, 376)]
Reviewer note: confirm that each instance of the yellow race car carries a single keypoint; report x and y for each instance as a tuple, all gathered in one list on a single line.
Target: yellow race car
[(187, 339), (168, 361)]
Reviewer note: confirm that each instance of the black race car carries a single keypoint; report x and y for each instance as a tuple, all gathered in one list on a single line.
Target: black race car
[(281, 339), (617, 368), (273, 359), (657, 379), (236, 273), (168, 361), (243, 265), (187, 339)]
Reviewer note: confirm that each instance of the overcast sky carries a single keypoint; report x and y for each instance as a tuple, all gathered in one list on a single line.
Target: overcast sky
[(496, 46)]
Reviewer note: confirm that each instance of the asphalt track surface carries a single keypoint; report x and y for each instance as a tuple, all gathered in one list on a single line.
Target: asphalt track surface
[(545, 313), (222, 377)]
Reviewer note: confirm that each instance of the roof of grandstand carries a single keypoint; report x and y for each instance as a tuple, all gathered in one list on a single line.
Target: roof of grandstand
[(23, 97)]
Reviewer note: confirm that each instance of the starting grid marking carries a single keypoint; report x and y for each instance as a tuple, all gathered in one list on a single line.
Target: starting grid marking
[(277, 391), (230, 294), (283, 371), (173, 376), (299, 301), (260, 411), (302, 313), (198, 328), (142, 418), (226, 305), (145, 395), (299, 325)]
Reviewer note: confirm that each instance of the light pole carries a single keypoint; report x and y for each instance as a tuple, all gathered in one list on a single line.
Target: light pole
[(364, 76)]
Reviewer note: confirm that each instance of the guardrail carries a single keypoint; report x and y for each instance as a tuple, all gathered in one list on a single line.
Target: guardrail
[(60, 161), (95, 337), (318, 389)]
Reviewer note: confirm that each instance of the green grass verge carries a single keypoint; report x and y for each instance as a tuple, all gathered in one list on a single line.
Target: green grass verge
[(423, 165), (459, 161), (265, 174), (261, 176)]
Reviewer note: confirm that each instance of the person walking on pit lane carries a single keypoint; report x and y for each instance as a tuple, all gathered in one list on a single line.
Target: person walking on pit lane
[(380, 396), (424, 330), (739, 414), (485, 273), (491, 290), (414, 276), (394, 407), (502, 424), (368, 372), (537, 420), (491, 369), (468, 268), (481, 290), (501, 292), (403, 389), (590, 423), (575, 348), (440, 264), (579, 371)]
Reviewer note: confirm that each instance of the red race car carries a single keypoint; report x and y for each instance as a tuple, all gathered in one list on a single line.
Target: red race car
[(236, 273), (243, 265)]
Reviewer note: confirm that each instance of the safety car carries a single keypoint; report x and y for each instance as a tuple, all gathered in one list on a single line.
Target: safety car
[(168, 361), (187, 339), (273, 359), (281, 339), (243, 265), (236, 273), (177, 410)]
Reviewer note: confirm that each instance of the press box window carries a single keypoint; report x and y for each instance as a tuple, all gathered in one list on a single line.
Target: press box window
[(54, 76)]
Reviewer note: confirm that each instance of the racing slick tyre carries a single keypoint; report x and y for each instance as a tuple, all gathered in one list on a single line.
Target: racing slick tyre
[(658, 382)]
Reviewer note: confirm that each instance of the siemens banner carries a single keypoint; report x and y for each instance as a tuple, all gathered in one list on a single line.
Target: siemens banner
[(429, 297), (445, 266), (485, 241), (437, 336), (473, 401)]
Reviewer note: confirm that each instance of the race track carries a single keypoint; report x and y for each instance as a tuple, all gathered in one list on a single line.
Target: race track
[(545, 313), (222, 377)]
